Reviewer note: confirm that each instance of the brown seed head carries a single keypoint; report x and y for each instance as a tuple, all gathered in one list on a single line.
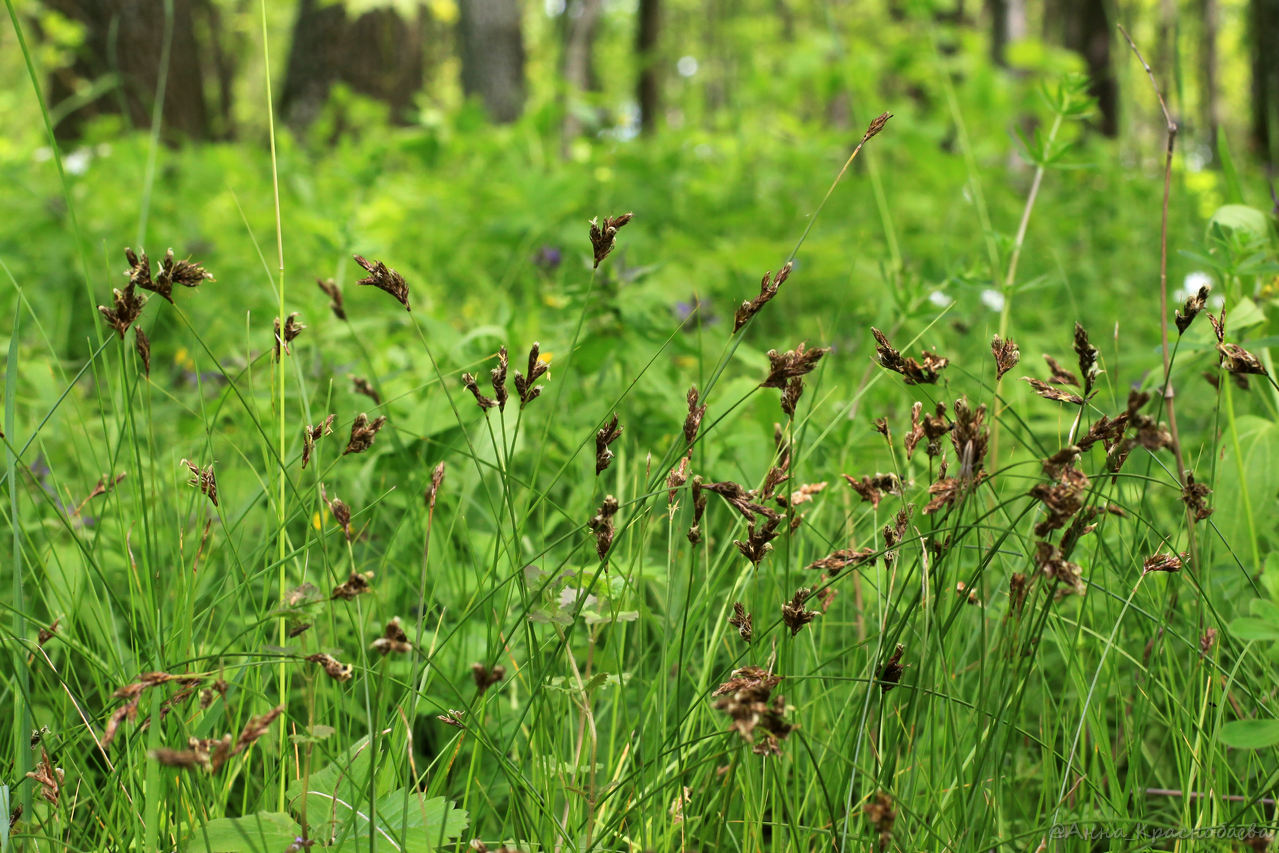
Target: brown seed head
[(603, 236), (433, 491), (292, 328), (363, 432), (1191, 309), (143, 346), (601, 524), (356, 584), (362, 386), (1006, 354), (1089, 358), (333, 667), (386, 279), (126, 308), (311, 434), (794, 614), (876, 125), (498, 378), (331, 290), (603, 438), (767, 290), (693, 422), (203, 479), (485, 677), (741, 620)]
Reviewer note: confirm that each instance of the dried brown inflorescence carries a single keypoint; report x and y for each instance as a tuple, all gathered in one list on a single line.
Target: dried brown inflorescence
[(891, 672), (931, 427), (284, 337), (1059, 375), (312, 433), (355, 584), (497, 377), (482, 400), (675, 480), (1239, 362), (693, 421), (172, 272), (741, 620), (699, 509), (794, 614), (125, 309), (1048, 392), (895, 532), (969, 438), (767, 290), (875, 126), (143, 345), (333, 667), (605, 436), (881, 815), (385, 279), (1089, 358), (537, 368), (785, 367), (433, 490), (873, 488), (837, 561), (922, 372), (331, 290), (602, 525), (393, 639), (363, 431), (759, 537), (604, 235), (452, 718), (203, 479), (1190, 310), (1006, 354), (486, 676), (1195, 496), (341, 512), (1163, 563), (48, 777), (360, 385), (1053, 565), (747, 699)]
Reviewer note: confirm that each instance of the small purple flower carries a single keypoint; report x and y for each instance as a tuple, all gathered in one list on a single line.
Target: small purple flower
[(548, 258), (684, 311)]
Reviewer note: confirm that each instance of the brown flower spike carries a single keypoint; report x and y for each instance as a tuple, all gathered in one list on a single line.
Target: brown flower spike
[(922, 372), (767, 290), (603, 438), (602, 526), (363, 432), (203, 479), (386, 279), (1006, 353), (331, 290), (603, 236)]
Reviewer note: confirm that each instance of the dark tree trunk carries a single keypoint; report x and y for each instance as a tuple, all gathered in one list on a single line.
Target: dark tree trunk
[(1084, 27), (1007, 25), (379, 54), (492, 53), (1208, 108), (1264, 27), (648, 87), (125, 38), (579, 65)]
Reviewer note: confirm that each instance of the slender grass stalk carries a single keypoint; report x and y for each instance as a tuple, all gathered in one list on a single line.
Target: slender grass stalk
[(278, 374)]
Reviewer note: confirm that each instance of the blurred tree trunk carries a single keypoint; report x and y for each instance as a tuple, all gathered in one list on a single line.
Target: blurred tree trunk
[(1209, 114), (1007, 25), (648, 87), (492, 53), (1084, 27), (328, 48), (124, 39), (1264, 27), (579, 66)]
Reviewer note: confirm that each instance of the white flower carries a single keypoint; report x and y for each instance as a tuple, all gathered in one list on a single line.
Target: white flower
[(992, 299), (1191, 284), (939, 298)]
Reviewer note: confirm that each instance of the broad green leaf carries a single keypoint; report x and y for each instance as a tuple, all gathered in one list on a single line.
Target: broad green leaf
[(1254, 473), (1240, 217), (1250, 734), (1248, 628), (264, 832)]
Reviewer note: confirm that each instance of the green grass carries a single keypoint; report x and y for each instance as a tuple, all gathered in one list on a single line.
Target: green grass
[(601, 730)]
